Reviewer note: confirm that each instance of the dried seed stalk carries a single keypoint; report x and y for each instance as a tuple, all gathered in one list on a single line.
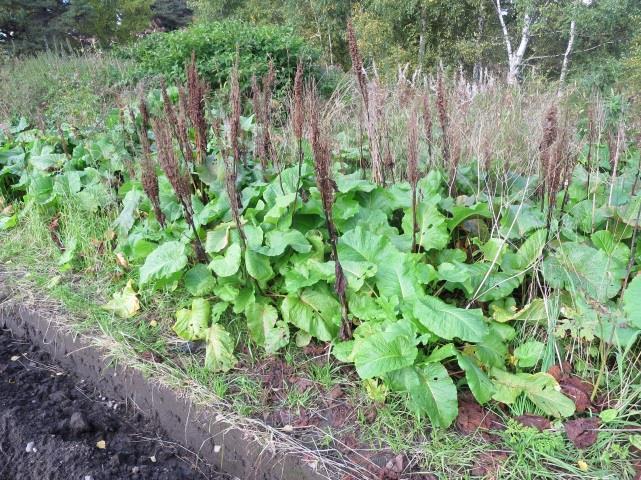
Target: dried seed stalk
[(232, 161), (268, 85), (149, 178), (427, 125), (234, 103), (550, 134), (259, 147), (357, 63), (326, 186), (178, 180), (198, 89), (371, 123), (298, 119), (441, 109), (413, 174)]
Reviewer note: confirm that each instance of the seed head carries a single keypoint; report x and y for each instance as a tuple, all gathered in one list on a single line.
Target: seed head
[(298, 114)]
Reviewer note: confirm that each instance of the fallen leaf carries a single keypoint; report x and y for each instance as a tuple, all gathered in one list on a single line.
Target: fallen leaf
[(101, 444), (582, 432), (487, 464), (473, 418), (578, 390), (558, 371), (583, 466), (124, 304), (534, 421), (122, 261), (15, 358), (153, 323), (335, 393)]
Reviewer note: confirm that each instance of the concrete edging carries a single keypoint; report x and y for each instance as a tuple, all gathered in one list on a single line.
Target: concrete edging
[(195, 427)]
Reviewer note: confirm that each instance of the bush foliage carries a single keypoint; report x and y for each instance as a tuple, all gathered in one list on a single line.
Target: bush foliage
[(215, 46)]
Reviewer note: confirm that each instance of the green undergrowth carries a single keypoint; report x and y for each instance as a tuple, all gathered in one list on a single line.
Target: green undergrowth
[(70, 256)]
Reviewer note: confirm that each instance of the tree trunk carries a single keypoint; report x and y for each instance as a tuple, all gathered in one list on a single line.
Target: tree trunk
[(421, 38), (566, 55), (515, 58)]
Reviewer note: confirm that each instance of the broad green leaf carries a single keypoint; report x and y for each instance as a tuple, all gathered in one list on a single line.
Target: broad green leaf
[(199, 280), (219, 356), (528, 354), (126, 219), (277, 242), (460, 213), (343, 351), (191, 323), (69, 253), (125, 303), (395, 274), (354, 182), (218, 238), (279, 209), (258, 266), (531, 250), (265, 328), (7, 223), (431, 392), (315, 311), (441, 353), (480, 384), (604, 240), (491, 351), (433, 233), (519, 220), (165, 262), (578, 267), (449, 322), (632, 302), (381, 353), (357, 273), (227, 264), (541, 388)]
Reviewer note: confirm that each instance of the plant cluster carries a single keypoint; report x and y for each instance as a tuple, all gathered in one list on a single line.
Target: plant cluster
[(419, 278)]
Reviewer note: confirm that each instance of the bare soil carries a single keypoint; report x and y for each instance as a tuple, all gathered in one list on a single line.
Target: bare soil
[(53, 425)]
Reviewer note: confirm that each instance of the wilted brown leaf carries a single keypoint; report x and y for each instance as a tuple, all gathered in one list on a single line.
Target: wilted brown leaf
[(473, 418), (582, 432), (534, 421)]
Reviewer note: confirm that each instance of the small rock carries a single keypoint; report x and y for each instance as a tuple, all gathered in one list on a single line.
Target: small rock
[(78, 424), (30, 447)]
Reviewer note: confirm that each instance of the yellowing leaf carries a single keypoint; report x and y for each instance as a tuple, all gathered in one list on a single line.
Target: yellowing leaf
[(124, 304)]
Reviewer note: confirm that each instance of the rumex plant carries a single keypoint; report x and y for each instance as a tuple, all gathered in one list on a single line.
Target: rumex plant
[(420, 282)]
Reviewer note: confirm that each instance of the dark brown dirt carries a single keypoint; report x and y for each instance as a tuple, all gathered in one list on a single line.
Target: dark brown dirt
[(52, 424)]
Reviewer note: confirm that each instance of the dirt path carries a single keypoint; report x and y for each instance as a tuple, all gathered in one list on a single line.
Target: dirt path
[(52, 426)]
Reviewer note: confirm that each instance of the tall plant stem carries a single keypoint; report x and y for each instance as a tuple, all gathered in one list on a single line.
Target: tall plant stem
[(414, 221), (300, 174)]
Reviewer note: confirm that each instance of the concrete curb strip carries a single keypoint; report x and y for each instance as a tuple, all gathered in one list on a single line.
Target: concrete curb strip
[(195, 427)]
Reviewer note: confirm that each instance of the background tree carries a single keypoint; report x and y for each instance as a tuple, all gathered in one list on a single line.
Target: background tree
[(171, 14)]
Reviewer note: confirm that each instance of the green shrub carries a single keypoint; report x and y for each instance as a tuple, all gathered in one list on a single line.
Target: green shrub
[(215, 46), (54, 87)]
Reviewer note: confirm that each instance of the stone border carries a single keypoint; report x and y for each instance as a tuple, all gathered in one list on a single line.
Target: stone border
[(195, 427)]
